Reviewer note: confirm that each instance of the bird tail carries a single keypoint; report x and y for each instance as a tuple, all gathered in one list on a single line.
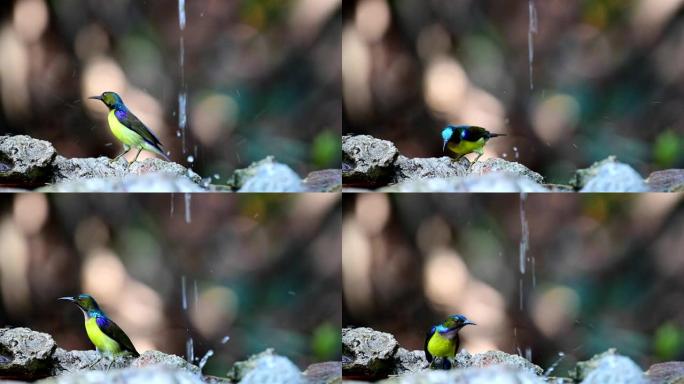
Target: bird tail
[(159, 150)]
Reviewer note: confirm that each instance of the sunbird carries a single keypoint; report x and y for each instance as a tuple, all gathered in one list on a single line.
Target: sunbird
[(107, 337), (442, 340), (465, 139), (128, 128)]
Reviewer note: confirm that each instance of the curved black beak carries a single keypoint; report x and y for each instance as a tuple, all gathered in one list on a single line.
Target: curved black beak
[(96, 98), (67, 298), (468, 322), (444, 145)]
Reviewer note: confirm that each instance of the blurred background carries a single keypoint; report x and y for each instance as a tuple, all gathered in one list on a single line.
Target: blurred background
[(570, 82), (235, 275), (246, 78), (608, 275)]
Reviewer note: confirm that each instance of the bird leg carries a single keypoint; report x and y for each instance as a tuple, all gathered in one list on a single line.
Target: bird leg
[(111, 361), (125, 151), (136, 155), (96, 361), (479, 154)]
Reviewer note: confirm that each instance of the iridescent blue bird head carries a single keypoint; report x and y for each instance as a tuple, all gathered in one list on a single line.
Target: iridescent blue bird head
[(451, 326), (450, 133), (110, 99), (86, 302)]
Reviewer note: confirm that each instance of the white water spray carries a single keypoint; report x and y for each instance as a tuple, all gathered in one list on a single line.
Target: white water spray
[(531, 31)]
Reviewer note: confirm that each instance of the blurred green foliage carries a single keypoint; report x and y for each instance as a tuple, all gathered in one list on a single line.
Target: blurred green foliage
[(668, 341)]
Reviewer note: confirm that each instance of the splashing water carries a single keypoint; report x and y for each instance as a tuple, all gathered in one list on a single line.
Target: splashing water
[(181, 14), (204, 359), (553, 366), (172, 208), (184, 294), (183, 117), (183, 94), (225, 339), (194, 282), (531, 31), (525, 234), (188, 209), (189, 350)]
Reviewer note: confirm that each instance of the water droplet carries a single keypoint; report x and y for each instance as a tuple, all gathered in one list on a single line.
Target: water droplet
[(191, 159)]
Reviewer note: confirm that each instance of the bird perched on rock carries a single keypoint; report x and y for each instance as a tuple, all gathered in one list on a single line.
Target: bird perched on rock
[(128, 129), (442, 341), (465, 139), (107, 337)]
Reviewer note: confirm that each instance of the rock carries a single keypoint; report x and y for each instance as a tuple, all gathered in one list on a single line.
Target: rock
[(127, 376), (266, 367), (144, 183), (491, 182), (157, 359), (327, 180), (491, 358), (102, 167), (25, 161), (608, 175), (324, 373), (608, 367), (367, 161), (503, 166), (488, 375), (72, 361), (266, 175), (25, 354), (406, 361), (666, 373), (669, 180), (367, 352), (424, 168)]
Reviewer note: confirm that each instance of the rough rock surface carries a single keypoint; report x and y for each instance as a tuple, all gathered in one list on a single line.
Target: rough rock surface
[(666, 373), (27, 164), (72, 361), (131, 183), (491, 182), (25, 161), (408, 361), (327, 180), (496, 165), (489, 375), (669, 180), (156, 375), (608, 367), (480, 360), (25, 354), (30, 355), (266, 367), (367, 160), (324, 373), (367, 352), (101, 167), (609, 175), (266, 175), (423, 168)]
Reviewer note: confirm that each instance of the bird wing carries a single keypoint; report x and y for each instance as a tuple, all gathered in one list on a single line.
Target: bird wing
[(474, 134), (112, 330), (428, 355), (130, 121)]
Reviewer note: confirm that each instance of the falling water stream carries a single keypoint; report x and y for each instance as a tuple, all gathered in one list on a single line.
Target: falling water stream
[(531, 31), (183, 94)]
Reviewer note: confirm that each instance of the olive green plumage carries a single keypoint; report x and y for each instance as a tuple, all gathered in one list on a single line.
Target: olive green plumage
[(128, 129), (442, 341)]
